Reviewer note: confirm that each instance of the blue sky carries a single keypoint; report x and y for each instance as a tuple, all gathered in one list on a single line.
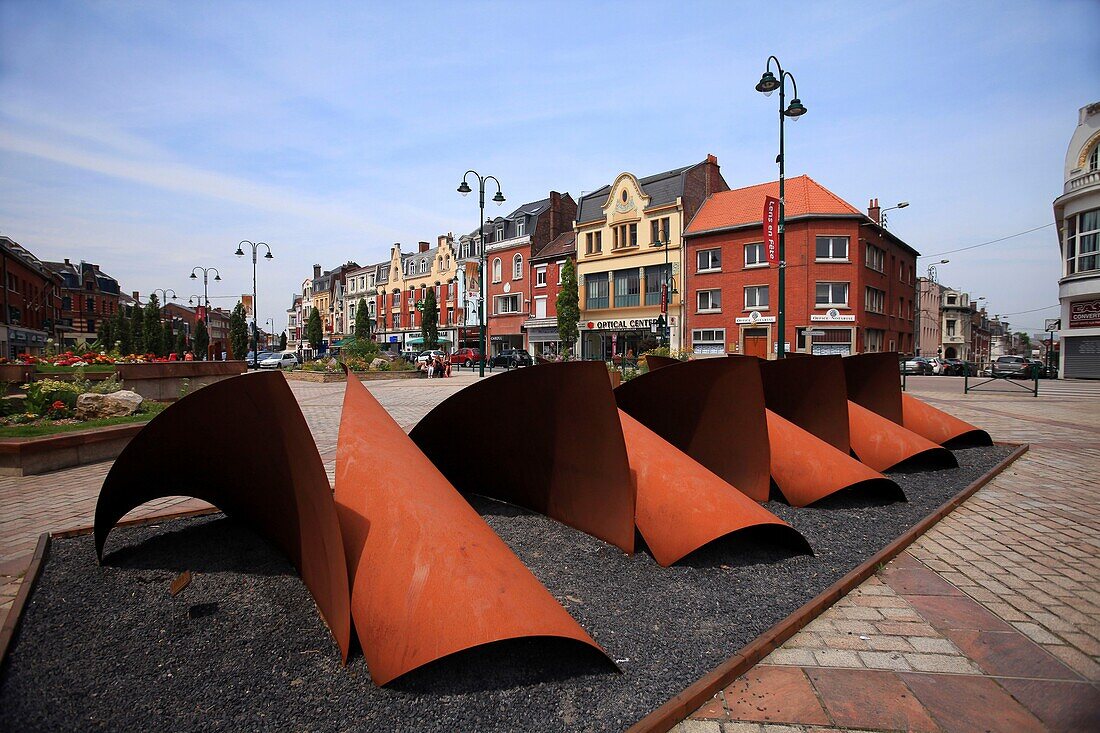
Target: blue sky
[(152, 137)]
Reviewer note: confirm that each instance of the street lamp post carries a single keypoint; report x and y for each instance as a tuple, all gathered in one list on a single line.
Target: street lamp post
[(270, 332), (769, 83), (255, 310), (668, 289), (498, 199), (882, 214)]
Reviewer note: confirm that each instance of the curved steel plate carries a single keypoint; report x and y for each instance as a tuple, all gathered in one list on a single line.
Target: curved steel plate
[(683, 506), (430, 578), (243, 445), (940, 427), (546, 438), (874, 381), (884, 445), (656, 362), (810, 392), (807, 469), (712, 410)]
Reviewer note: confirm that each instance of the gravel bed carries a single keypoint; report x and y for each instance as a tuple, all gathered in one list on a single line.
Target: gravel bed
[(242, 647)]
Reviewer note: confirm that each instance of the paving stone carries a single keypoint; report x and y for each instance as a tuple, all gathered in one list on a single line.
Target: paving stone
[(864, 698), (884, 660)]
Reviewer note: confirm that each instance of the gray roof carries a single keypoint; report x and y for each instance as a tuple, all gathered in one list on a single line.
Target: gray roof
[(662, 188), (529, 211)]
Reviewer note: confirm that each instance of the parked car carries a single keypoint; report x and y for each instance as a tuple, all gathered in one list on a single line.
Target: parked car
[(465, 357), (280, 360), (1012, 366), (259, 357), (916, 365), (410, 356), (425, 356), (511, 358)]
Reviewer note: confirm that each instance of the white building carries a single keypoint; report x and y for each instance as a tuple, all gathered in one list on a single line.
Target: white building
[(1077, 215)]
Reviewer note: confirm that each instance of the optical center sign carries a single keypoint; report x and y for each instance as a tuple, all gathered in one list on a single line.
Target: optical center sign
[(628, 324), (1084, 314)]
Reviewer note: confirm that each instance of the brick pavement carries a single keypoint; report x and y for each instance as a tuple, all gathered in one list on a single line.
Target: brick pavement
[(990, 621)]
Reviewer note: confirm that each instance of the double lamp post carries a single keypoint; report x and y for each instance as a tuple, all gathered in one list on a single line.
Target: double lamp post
[(498, 199), (255, 311)]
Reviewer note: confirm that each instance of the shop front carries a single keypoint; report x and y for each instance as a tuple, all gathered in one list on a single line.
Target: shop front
[(542, 338), (615, 340), (499, 342), (755, 335), (1081, 341), (826, 336)]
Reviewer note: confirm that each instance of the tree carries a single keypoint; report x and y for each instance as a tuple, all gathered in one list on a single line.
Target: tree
[(569, 308), (362, 321), (121, 330), (181, 343), (238, 331), (201, 340), (282, 341), (429, 320), (152, 328), (169, 338), (105, 334), (137, 338), (314, 333)]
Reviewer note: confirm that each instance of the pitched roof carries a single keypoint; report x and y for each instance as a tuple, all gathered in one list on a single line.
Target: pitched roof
[(745, 206), (662, 188), (565, 243)]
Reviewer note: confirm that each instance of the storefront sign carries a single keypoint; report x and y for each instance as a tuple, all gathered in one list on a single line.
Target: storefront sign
[(754, 317), (629, 324), (1084, 314), (832, 315), (771, 229)]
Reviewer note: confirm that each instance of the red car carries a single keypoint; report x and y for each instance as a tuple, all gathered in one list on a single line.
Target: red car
[(465, 357)]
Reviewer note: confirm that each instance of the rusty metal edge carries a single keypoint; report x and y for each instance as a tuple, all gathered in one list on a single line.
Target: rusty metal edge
[(15, 613), (666, 717), (137, 521)]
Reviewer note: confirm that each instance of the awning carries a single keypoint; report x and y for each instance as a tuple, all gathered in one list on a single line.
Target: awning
[(419, 340)]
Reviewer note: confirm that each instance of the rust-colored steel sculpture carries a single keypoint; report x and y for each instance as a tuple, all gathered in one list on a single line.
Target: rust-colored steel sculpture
[(806, 469), (261, 468), (546, 438), (429, 577), (683, 506), (884, 445), (939, 427), (811, 393), (656, 362), (712, 410), (874, 382)]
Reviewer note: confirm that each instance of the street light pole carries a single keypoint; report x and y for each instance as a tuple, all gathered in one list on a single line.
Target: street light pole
[(464, 188), (769, 83), (255, 309)]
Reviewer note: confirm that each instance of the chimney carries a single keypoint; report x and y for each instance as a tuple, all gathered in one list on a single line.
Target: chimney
[(316, 271), (555, 214), (713, 174), (424, 247), (874, 211), (67, 261), (136, 297)]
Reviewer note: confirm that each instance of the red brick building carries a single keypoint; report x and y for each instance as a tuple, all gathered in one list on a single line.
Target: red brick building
[(32, 301), (217, 327), (541, 326), (510, 242), (88, 297), (850, 282)]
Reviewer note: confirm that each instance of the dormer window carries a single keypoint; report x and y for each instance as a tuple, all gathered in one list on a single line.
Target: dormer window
[(500, 233), (521, 226)]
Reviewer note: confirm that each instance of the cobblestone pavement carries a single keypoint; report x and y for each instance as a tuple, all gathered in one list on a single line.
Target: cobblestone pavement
[(990, 621)]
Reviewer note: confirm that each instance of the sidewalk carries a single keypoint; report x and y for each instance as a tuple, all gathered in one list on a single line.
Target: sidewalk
[(990, 621)]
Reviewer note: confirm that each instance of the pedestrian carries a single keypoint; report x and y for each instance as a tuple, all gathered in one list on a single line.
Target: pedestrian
[(429, 366)]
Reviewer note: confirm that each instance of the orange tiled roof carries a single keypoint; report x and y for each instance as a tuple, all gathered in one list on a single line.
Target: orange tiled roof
[(743, 206)]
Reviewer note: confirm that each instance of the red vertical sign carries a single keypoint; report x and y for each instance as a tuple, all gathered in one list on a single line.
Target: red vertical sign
[(201, 312), (771, 229)]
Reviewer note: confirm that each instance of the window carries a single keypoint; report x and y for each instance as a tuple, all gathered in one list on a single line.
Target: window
[(756, 296), (952, 300), (951, 328), (500, 233), (708, 260), (626, 288), (709, 300), (89, 305), (874, 300), (540, 276), (507, 303), (1082, 238), (561, 266), (876, 258), (66, 303), (832, 248), (873, 339), (396, 298), (521, 226), (708, 340), (831, 294), (397, 320), (595, 291), (626, 235), (660, 231), (1094, 163), (593, 243), (655, 278), (496, 269), (755, 255), (517, 267)]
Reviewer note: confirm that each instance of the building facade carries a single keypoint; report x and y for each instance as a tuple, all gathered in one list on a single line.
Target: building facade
[(88, 296), (850, 283), (401, 293), (630, 257), (510, 243), (1077, 216), (32, 301), (928, 319), (955, 312), (541, 326)]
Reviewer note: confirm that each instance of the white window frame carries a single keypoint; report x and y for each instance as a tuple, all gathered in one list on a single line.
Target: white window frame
[(762, 261), (521, 226), (517, 266), (874, 300), (712, 254), (709, 296), (708, 337), (499, 299), (496, 269), (540, 276), (831, 257), (875, 255), (499, 232), (756, 291), (831, 303)]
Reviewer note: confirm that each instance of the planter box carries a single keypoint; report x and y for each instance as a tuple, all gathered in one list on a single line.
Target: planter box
[(163, 381), (16, 374), (314, 376), (31, 456), (383, 376)]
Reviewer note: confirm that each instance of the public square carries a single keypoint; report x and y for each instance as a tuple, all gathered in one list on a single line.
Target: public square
[(1000, 600)]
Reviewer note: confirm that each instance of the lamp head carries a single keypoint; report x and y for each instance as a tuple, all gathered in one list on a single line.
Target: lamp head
[(194, 276), (767, 84), (464, 188), (795, 109), (239, 252), (217, 278), (268, 256), (902, 204), (499, 198)]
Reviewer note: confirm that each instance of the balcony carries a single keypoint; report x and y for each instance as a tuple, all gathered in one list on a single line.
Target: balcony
[(1083, 180)]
